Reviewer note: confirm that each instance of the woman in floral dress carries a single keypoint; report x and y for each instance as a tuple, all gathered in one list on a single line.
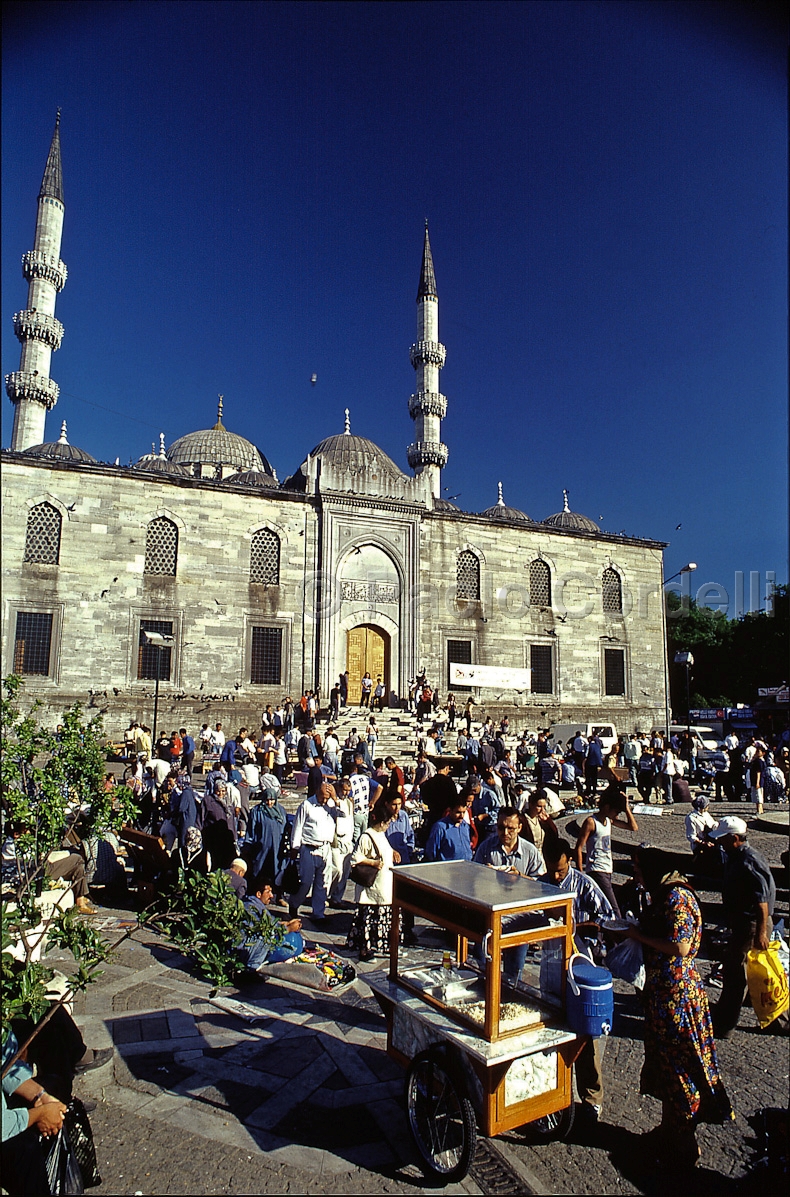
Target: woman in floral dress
[(681, 1067)]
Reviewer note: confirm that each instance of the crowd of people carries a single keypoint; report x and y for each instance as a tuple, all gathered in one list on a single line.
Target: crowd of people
[(479, 797)]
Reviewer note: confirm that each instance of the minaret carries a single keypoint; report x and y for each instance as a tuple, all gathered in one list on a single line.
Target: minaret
[(30, 388), (427, 405)]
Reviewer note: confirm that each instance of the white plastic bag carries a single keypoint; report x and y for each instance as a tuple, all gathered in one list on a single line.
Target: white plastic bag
[(626, 961)]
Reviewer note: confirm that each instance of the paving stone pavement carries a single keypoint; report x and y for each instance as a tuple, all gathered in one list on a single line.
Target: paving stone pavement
[(272, 1089)]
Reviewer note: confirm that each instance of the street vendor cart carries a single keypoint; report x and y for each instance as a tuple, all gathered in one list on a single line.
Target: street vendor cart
[(480, 1052)]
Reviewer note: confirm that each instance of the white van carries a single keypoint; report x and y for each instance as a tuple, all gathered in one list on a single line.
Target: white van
[(703, 737), (568, 731)]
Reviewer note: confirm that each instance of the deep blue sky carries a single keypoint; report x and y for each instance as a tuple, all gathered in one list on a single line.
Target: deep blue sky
[(246, 186)]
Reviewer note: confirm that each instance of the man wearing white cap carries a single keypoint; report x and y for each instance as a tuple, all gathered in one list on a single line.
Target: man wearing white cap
[(748, 895)]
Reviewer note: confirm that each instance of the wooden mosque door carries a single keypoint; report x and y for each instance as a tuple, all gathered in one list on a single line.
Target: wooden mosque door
[(367, 650)]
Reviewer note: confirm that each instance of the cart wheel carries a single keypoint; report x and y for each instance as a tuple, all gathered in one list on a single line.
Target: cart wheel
[(441, 1116), (553, 1126)]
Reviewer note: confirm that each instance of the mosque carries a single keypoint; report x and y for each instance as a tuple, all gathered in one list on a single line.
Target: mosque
[(262, 588)]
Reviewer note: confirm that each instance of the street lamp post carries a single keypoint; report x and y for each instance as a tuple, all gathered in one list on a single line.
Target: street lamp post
[(686, 659), (160, 642), (687, 569)]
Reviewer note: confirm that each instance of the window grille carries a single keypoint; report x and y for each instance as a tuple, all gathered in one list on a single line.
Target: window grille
[(540, 662), (265, 558), (153, 661), (612, 591), (468, 576), (42, 543), (539, 584), (266, 657), (161, 548), (33, 642), (459, 652), (614, 670)]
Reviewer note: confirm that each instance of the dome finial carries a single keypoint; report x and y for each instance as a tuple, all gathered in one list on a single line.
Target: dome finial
[(565, 503), (162, 453), (347, 428), (62, 440), (500, 500), (219, 425)]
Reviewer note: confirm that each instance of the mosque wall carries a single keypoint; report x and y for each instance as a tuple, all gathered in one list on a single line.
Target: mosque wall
[(344, 561), (99, 594), (587, 662)]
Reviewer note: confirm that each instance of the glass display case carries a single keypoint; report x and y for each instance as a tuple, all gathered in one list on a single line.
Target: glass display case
[(490, 917)]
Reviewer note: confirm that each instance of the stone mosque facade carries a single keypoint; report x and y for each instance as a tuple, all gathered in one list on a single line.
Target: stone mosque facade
[(270, 588)]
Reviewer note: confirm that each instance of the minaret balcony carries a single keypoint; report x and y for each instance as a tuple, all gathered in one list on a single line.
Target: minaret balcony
[(36, 264), (23, 384), (424, 352), (425, 453), (38, 326), (428, 403)]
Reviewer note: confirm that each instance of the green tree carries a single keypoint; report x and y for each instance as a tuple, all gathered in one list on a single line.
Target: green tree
[(707, 635), (47, 780)]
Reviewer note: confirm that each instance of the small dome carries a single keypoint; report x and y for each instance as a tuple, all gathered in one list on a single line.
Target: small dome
[(571, 520), (157, 463), (252, 478), (219, 448), (504, 514), (60, 448), (444, 505)]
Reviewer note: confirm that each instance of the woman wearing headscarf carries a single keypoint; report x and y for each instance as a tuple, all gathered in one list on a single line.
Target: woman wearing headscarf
[(681, 1066), (263, 843)]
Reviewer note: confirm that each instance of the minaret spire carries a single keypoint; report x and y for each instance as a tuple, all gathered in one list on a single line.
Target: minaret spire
[(347, 427), (500, 500), (565, 503), (427, 406), (30, 388)]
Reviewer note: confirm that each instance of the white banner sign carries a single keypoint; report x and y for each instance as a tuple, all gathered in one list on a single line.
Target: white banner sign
[(491, 676)]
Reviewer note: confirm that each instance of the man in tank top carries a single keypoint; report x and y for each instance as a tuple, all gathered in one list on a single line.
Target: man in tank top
[(595, 839)]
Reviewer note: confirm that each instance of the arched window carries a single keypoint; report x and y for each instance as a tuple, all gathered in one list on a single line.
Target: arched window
[(468, 576), (42, 543), (265, 557), (161, 547), (612, 592), (539, 584)]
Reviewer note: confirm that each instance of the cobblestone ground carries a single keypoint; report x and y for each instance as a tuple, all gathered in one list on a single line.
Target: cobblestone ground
[(299, 1096)]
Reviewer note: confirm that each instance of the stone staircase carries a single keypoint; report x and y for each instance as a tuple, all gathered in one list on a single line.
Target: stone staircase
[(398, 731)]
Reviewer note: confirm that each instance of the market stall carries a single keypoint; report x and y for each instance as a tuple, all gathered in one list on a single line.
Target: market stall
[(480, 1051)]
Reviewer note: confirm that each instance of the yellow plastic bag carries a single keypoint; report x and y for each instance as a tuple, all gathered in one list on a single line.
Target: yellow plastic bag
[(767, 983)]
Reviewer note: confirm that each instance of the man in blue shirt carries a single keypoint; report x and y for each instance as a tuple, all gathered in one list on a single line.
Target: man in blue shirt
[(187, 751), (485, 805), (450, 837), (507, 851)]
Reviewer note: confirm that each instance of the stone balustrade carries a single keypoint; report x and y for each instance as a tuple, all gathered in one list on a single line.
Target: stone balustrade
[(22, 384), (430, 403), (36, 264), (423, 453), (427, 351), (38, 326)]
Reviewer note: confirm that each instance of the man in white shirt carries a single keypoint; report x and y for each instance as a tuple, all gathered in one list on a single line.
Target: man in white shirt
[(311, 842), (731, 741), (332, 751), (218, 738)]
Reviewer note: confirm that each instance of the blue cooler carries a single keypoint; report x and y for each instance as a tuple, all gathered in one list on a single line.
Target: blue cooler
[(589, 997)]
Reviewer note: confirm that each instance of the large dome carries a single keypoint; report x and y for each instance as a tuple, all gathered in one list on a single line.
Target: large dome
[(504, 514), (222, 451), (60, 448), (356, 454), (571, 520)]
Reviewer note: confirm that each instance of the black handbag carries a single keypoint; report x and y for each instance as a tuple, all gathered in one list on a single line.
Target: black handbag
[(80, 1135), (365, 874)]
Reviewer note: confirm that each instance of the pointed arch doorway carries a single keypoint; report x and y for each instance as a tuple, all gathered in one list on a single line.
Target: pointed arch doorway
[(367, 651)]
